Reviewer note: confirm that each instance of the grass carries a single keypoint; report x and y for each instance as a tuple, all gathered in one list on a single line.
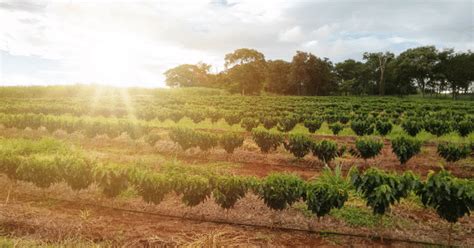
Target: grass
[(10, 242), (361, 217)]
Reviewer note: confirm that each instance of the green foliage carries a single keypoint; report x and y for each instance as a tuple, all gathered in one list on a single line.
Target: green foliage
[(41, 170), (231, 141), (298, 144), (328, 192), (152, 187), (405, 148), (279, 191), (381, 189), (249, 123), (325, 150), (269, 121), (185, 137), (368, 147), (336, 128), (412, 126), (453, 152), (287, 123), (228, 190), (383, 127), (152, 138), (232, 118), (361, 127), (76, 171), (465, 127), (194, 189), (206, 141), (437, 127), (313, 124), (111, 178), (267, 140), (452, 198)]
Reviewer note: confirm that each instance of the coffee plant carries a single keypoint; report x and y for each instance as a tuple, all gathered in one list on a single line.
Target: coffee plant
[(325, 150), (383, 127), (313, 124), (267, 140), (298, 144), (412, 126), (287, 123), (228, 190), (437, 127), (368, 147), (249, 123), (361, 127), (405, 148), (452, 152), (231, 141), (279, 191), (336, 128), (111, 178)]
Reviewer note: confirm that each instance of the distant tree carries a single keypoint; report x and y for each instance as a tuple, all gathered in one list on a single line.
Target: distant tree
[(353, 77), (418, 64), (276, 77), (246, 70), (188, 75), (378, 63), (310, 75), (458, 70)]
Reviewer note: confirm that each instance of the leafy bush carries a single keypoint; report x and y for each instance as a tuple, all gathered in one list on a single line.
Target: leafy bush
[(195, 189), (336, 128), (287, 123), (206, 140), (313, 124), (111, 178), (405, 148), (9, 163), (368, 147), (185, 137), (328, 192), (41, 170), (361, 127), (228, 190), (298, 144), (249, 123), (196, 116), (269, 122), (325, 150), (152, 138), (437, 127), (412, 126), (267, 140), (232, 118), (76, 171), (453, 152), (465, 127), (383, 127), (381, 189), (452, 198), (231, 141), (152, 187), (279, 191)]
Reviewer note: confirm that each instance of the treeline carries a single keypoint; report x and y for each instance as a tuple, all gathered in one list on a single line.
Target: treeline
[(424, 70)]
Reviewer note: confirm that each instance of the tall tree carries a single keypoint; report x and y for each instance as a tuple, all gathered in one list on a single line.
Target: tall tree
[(418, 64), (353, 77), (246, 70), (276, 78), (188, 75), (459, 72), (310, 75), (379, 61)]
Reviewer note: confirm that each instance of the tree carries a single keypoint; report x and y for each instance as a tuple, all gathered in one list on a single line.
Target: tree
[(276, 77), (378, 61), (310, 75), (188, 75), (457, 70), (353, 77), (246, 70), (418, 65)]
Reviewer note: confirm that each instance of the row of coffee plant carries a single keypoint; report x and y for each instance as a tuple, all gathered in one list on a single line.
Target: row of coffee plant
[(46, 162)]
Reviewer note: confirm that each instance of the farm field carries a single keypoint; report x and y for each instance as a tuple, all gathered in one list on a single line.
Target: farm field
[(84, 166)]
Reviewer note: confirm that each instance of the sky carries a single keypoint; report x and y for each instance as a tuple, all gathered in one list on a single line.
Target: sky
[(131, 43)]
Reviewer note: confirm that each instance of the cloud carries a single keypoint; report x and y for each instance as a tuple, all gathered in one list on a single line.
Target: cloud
[(133, 43)]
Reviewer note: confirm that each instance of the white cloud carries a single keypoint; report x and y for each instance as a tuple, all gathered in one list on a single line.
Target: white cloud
[(133, 43)]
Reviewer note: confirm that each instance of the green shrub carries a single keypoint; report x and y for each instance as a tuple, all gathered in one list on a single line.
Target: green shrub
[(279, 191), (267, 140), (412, 126), (452, 198), (41, 170), (313, 124), (336, 128), (249, 123), (465, 127), (206, 141), (453, 152), (383, 127), (231, 141), (152, 138), (325, 150), (368, 147), (287, 123), (298, 144), (361, 127), (111, 178), (269, 122), (196, 116), (76, 171), (405, 148), (228, 190), (437, 127), (194, 189), (152, 187), (232, 118), (185, 137)]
